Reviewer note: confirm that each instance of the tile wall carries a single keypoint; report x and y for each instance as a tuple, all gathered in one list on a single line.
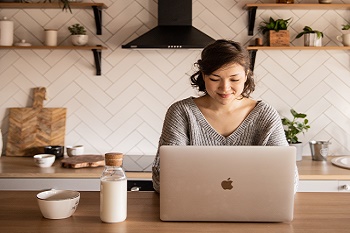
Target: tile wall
[(123, 109)]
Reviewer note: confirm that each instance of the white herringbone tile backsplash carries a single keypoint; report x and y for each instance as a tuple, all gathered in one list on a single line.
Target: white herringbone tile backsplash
[(123, 109)]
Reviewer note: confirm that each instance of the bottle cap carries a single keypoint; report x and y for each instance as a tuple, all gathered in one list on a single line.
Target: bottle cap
[(114, 159)]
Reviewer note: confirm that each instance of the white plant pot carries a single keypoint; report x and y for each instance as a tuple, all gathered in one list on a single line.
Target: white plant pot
[(311, 40), (79, 40), (299, 147)]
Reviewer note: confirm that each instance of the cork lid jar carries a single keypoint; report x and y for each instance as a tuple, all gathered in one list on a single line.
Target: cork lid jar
[(114, 159)]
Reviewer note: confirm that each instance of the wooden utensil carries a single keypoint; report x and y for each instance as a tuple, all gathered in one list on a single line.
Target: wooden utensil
[(80, 161), (30, 129)]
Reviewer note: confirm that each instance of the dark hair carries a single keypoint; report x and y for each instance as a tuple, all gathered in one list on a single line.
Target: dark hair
[(218, 54)]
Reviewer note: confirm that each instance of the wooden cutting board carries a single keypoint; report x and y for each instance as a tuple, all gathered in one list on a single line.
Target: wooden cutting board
[(30, 129), (80, 161)]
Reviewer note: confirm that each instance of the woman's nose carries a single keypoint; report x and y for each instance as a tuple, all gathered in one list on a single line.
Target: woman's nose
[(225, 85)]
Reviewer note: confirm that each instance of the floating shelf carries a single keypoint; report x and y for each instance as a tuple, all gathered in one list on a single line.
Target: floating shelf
[(97, 51), (298, 48), (96, 7), (252, 7)]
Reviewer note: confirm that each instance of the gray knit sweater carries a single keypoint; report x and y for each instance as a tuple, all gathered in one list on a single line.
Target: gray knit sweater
[(184, 124)]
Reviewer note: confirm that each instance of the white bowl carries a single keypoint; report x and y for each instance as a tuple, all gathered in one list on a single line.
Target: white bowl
[(44, 160), (58, 204), (75, 150)]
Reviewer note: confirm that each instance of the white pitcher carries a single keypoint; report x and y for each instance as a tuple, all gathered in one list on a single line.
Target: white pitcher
[(345, 39)]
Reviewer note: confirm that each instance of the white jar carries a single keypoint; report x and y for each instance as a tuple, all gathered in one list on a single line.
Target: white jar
[(6, 32), (50, 37)]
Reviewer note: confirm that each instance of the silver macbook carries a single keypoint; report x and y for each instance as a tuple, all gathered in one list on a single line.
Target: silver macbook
[(227, 183)]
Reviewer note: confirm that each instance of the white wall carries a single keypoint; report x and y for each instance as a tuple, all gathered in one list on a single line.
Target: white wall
[(123, 109)]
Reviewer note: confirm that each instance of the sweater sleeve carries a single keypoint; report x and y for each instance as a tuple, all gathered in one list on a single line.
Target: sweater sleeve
[(174, 132)]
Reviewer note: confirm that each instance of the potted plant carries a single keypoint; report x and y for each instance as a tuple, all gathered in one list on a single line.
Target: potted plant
[(345, 37), (78, 34), (311, 37), (295, 127), (278, 35)]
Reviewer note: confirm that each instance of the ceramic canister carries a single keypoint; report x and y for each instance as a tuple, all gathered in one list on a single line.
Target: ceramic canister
[(6, 32)]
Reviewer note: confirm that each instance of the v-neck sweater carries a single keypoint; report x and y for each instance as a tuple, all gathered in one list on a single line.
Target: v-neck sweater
[(184, 124)]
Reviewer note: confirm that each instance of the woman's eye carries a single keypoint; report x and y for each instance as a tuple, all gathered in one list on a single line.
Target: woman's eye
[(214, 80)]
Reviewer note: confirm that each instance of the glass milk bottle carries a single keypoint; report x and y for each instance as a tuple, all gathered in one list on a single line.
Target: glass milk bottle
[(113, 190)]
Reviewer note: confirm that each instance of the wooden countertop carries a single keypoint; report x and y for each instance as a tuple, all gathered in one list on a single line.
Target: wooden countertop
[(23, 167), (314, 212)]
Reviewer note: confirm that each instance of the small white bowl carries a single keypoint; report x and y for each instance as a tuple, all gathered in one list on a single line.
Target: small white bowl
[(44, 160), (58, 204), (75, 150)]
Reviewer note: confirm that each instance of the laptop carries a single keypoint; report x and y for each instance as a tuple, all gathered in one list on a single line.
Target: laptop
[(227, 183)]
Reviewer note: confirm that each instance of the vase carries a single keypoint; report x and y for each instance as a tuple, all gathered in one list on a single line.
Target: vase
[(79, 40)]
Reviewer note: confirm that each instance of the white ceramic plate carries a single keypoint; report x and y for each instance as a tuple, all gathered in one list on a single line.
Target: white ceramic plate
[(343, 161)]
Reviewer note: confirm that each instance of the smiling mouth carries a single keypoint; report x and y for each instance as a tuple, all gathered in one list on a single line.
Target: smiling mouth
[(224, 96)]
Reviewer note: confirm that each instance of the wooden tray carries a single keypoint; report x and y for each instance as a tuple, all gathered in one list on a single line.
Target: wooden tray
[(80, 161)]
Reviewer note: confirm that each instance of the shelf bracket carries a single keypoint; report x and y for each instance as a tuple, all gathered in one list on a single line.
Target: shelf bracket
[(97, 58), (252, 54), (98, 19), (251, 20)]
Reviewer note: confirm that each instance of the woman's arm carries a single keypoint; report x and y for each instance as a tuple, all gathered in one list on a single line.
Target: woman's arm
[(174, 132)]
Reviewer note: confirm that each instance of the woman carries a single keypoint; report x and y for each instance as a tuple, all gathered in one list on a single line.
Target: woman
[(224, 115)]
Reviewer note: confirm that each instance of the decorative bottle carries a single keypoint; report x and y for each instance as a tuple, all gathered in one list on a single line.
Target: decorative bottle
[(113, 190)]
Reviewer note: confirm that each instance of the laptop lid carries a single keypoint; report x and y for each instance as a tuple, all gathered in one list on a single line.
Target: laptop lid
[(227, 183)]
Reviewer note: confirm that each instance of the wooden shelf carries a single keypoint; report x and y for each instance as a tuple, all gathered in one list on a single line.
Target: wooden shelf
[(96, 7), (80, 5), (298, 6), (252, 8), (68, 47), (97, 51), (298, 48)]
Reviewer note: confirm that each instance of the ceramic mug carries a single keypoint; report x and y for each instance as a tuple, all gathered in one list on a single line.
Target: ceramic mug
[(345, 39), (75, 150), (54, 150)]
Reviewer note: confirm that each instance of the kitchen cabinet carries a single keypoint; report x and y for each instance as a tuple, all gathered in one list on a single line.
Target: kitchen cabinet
[(96, 7), (252, 8)]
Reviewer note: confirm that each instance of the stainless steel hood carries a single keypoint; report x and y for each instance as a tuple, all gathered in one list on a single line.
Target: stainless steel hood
[(174, 30)]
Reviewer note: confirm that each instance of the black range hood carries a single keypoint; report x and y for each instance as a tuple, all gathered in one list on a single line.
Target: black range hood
[(174, 30)]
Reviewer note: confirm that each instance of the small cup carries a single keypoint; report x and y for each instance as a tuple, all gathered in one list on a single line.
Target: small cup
[(75, 150), (55, 150), (44, 160)]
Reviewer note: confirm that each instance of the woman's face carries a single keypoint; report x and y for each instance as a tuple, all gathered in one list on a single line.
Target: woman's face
[(226, 84)]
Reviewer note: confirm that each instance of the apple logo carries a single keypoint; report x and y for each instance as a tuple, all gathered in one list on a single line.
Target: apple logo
[(227, 184)]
